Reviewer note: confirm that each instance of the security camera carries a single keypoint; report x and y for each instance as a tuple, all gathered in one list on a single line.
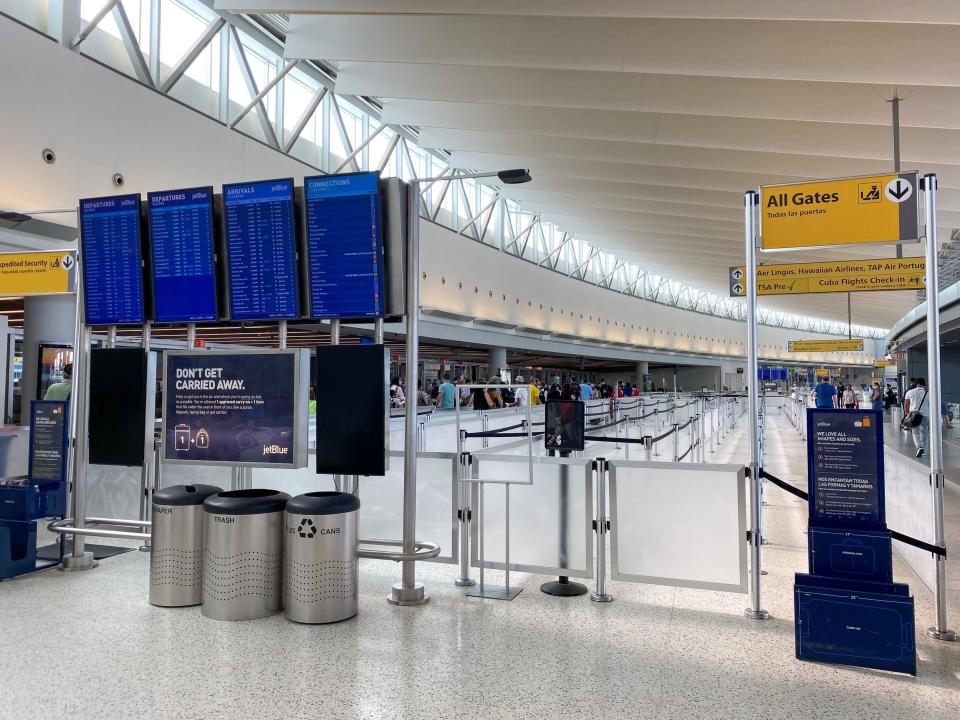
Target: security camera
[(49, 156), (118, 179)]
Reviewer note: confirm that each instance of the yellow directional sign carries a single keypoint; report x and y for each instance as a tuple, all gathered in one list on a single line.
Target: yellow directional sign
[(884, 363), (38, 273), (845, 211), (834, 276), (825, 346)]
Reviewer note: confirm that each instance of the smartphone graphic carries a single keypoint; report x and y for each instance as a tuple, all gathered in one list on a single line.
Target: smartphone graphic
[(181, 437)]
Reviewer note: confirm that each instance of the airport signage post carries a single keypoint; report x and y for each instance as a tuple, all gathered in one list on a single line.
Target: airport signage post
[(872, 209)]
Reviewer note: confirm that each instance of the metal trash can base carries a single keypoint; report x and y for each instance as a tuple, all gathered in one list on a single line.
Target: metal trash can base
[(177, 544), (321, 565)]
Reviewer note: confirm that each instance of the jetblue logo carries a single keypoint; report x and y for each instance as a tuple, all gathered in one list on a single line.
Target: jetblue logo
[(275, 450)]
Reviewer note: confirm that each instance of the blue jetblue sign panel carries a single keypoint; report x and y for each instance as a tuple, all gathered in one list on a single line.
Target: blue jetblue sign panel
[(845, 468), (261, 250), (181, 243), (344, 245), (112, 261)]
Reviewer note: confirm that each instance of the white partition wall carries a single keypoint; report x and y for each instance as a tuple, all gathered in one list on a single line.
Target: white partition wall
[(909, 503), (550, 521), (679, 525)]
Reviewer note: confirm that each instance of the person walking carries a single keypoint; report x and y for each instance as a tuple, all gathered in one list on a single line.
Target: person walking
[(876, 396), (826, 394), (916, 401), (446, 394), (849, 398)]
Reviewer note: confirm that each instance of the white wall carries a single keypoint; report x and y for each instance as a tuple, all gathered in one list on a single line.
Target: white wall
[(100, 122)]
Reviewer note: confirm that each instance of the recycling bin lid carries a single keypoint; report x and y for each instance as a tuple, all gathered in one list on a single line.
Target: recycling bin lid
[(323, 503), (184, 494), (246, 502)]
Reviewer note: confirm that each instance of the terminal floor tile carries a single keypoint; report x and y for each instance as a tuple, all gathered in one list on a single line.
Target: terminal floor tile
[(88, 645)]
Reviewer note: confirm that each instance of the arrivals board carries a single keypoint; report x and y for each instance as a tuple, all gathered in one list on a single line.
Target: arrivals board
[(845, 468), (344, 245), (260, 250), (181, 248), (112, 261)]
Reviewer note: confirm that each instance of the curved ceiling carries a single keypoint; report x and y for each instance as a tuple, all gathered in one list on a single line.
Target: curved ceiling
[(644, 121)]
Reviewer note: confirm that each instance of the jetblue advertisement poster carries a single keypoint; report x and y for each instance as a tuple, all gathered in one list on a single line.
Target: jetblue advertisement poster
[(230, 408), (845, 466)]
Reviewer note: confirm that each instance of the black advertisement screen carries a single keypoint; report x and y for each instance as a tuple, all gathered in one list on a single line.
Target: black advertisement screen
[(845, 468), (112, 261), (352, 417), (344, 245), (48, 440), (118, 389), (564, 426), (181, 249), (261, 250), (232, 408)]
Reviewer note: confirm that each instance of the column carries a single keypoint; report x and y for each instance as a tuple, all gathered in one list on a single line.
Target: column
[(46, 319), (496, 360), (643, 369)]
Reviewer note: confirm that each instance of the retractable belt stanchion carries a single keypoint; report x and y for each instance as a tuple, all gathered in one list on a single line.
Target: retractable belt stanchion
[(602, 527), (755, 611)]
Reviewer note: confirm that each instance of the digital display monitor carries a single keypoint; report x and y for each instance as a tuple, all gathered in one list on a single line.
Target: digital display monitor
[(261, 250), (112, 261), (344, 245), (236, 407), (564, 425), (181, 250)]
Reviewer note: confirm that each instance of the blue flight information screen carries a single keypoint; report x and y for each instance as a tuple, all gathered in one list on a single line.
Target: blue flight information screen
[(181, 242), (112, 264), (344, 246), (261, 250)]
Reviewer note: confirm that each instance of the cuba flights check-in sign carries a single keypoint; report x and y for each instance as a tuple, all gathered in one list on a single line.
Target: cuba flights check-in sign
[(834, 276), (825, 345), (835, 213)]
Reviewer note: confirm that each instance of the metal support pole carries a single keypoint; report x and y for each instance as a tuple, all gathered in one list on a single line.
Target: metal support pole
[(600, 475), (79, 559), (676, 442), (940, 630), (648, 447), (895, 122), (408, 591), (464, 489), (751, 199), (112, 336), (282, 335), (191, 335), (378, 331)]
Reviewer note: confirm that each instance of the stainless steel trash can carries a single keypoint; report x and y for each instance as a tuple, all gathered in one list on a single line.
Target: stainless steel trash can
[(242, 554), (320, 557), (177, 544)]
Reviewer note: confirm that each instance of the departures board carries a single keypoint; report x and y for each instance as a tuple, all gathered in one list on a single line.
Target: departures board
[(110, 243), (261, 252), (182, 255), (344, 248)]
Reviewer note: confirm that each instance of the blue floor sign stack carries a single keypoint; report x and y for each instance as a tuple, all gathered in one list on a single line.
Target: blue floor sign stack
[(848, 610)]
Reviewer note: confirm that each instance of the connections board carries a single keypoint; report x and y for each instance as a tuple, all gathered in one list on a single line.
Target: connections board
[(261, 251), (344, 247), (110, 246), (182, 255)]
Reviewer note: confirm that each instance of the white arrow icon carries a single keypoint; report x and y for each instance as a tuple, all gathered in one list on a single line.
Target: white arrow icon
[(737, 274), (66, 262), (898, 190)]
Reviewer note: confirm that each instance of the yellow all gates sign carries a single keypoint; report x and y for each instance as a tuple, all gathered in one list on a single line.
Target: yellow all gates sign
[(825, 346), (845, 211), (835, 276), (38, 273)]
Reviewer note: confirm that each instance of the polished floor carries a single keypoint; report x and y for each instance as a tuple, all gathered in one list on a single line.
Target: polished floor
[(88, 645)]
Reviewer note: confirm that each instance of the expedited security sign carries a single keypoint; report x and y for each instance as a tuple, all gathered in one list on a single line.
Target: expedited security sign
[(834, 276), (51, 272), (846, 211), (825, 346)]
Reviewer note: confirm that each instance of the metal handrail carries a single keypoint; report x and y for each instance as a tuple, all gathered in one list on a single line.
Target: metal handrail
[(65, 527), (422, 550)]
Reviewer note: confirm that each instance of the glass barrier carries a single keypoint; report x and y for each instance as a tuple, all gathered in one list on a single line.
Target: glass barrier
[(909, 502)]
